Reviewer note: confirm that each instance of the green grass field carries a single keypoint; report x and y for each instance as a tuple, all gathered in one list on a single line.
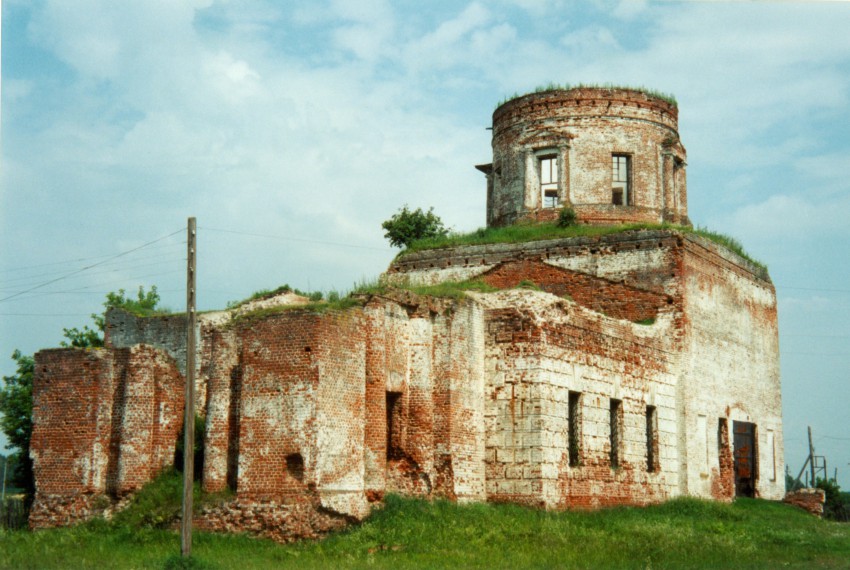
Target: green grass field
[(407, 533)]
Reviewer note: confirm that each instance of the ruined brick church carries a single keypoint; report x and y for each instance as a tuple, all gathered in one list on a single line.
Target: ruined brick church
[(642, 365)]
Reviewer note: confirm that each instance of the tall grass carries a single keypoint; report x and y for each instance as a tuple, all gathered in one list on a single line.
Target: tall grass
[(520, 233), (552, 86), (411, 533)]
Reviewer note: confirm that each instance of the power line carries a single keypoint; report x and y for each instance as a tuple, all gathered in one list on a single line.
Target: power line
[(286, 238), (86, 289), (6, 285), (78, 271), (44, 315), (76, 260)]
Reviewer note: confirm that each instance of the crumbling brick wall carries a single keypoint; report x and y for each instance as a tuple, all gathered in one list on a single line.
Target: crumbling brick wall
[(540, 351), (312, 437), (601, 295), (105, 422), (583, 128), (518, 395), (810, 500)]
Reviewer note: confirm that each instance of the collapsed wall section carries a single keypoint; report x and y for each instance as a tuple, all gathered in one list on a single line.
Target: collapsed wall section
[(105, 422), (296, 440)]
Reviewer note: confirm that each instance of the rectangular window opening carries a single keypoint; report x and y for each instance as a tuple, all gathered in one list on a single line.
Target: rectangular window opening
[(616, 421), (394, 449), (651, 439), (621, 191), (548, 169), (574, 409)]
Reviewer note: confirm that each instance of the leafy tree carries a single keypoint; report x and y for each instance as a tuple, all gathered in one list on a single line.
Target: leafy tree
[(834, 507), (16, 419), (407, 226), (144, 304)]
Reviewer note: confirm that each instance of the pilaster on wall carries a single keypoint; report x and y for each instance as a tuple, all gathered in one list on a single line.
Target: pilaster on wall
[(147, 418), (468, 435), (221, 438), (340, 353)]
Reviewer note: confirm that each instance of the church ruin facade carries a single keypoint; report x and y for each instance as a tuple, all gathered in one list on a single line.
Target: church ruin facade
[(620, 369)]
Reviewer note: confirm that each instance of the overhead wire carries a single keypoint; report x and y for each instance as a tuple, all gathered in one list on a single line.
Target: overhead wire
[(289, 238), (81, 259), (88, 267), (19, 282)]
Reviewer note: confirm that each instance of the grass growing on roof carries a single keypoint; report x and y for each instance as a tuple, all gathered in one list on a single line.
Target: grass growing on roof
[(525, 232), (552, 86)]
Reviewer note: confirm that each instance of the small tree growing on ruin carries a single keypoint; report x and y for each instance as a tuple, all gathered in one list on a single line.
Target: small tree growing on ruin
[(407, 226), (145, 304)]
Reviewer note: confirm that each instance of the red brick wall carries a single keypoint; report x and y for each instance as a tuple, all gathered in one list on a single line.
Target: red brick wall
[(277, 413), (105, 422), (602, 295), (296, 401)]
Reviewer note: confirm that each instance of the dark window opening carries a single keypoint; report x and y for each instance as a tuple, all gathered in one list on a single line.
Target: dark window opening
[(621, 187), (616, 411), (651, 439), (295, 466), (574, 409), (394, 449), (548, 168)]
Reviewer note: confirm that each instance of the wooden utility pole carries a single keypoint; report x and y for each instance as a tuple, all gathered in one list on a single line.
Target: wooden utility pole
[(189, 415), (811, 457)]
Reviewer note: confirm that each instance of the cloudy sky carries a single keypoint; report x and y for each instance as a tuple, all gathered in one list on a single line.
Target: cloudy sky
[(291, 130)]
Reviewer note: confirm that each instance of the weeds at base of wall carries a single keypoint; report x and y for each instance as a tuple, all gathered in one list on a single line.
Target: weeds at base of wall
[(158, 505), (13, 513)]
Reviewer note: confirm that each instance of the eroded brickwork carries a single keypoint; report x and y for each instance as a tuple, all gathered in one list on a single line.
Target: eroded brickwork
[(541, 350), (611, 370), (104, 423), (810, 500), (581, 130), (731, 373), (618, 382)]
